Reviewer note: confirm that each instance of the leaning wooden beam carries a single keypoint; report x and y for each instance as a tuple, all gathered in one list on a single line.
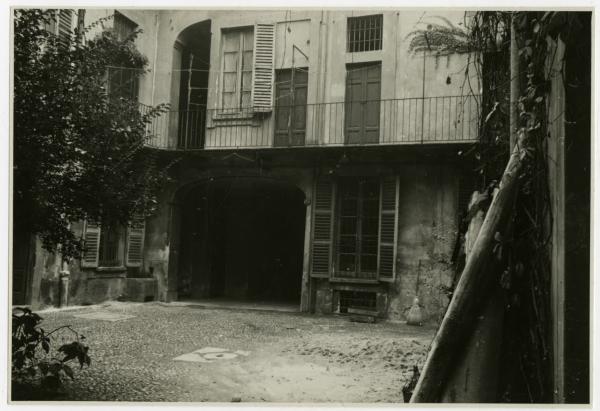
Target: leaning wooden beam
[(470, 290)]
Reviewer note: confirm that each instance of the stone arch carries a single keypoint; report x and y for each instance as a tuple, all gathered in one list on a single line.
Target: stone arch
[(178, 258)]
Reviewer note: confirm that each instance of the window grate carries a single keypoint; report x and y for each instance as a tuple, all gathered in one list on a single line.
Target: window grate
[(109, 253), (357, 299), (365, 33)]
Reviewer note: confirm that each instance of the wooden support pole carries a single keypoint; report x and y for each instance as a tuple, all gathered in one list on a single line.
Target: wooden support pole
[(472, 288)]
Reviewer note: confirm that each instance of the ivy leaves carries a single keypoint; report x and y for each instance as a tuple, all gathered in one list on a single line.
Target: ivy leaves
[(33, 360)]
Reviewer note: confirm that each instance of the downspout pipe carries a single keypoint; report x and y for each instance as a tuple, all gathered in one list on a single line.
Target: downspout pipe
[(64, 275)]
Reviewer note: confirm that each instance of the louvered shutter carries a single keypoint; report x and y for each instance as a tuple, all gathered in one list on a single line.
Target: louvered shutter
[(135, 242), (65, 20), (262, 81), (91, 238), (388, 223), (321, 250)]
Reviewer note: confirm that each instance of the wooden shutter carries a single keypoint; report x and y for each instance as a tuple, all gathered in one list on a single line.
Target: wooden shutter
[(91, 238), (388, 223), (322, 232), (65, 21), (290, 107), (262, 82), (136, 232), (363, 94), (283, 103)]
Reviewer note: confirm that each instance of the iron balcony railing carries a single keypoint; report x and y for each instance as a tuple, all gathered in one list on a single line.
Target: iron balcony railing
[(429, 120)]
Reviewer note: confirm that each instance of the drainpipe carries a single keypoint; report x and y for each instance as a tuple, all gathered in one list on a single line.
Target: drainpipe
[(63, 276), (423, 91), (157, 24)]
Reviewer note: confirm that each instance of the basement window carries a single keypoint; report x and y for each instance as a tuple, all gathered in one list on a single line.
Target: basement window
[(365, 33), (363, 300)]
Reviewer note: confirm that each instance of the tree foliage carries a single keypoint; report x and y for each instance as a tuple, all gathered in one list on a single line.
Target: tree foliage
[(77, 152)]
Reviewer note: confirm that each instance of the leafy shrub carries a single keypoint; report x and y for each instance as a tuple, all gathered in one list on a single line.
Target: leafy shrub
[(37, 369)]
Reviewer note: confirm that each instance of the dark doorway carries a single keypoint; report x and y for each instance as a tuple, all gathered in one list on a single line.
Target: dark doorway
[(191, 56), (243, 239)]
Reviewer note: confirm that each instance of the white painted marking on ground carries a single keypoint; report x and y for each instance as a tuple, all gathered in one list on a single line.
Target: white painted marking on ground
[(105, 316), (220, 356), (211, 354), (208, 350), (244, 353)]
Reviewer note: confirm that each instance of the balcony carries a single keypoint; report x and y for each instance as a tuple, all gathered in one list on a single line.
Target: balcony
[(408, 121)]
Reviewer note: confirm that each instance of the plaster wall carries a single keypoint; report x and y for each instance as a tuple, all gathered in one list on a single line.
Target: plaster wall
[(321, 36)]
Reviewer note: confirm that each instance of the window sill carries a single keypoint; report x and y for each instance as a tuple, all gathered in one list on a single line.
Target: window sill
[(109, 272), (354, 280), (111, 269), (245, 117), (372, 56)]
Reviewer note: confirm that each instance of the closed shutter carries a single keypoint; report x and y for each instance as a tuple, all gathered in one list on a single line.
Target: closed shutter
[(388, 223), (321, 250), (91, 238), (290, 107), (135, 242), (262, 84), (363, 94), (65, 21)]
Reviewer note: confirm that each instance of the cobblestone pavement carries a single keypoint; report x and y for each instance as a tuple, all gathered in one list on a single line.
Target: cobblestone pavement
[(292, 357)]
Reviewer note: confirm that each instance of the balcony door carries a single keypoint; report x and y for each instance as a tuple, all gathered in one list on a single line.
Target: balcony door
[(363, 94), (290, 107)]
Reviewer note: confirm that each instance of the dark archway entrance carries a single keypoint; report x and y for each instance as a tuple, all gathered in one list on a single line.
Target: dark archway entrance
[(242, 239)]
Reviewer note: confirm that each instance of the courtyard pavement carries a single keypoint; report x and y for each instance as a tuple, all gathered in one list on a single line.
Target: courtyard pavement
[(174, 352)]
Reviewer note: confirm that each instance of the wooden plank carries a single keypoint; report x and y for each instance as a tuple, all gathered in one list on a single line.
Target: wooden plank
[(472, 288)]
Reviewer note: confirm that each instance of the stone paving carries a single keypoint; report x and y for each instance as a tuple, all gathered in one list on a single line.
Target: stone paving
[(161, 352)]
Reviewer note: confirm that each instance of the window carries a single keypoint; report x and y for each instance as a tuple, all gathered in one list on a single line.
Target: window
[(123, 82), (365, 33), (238, 59), (354, 228), (290, 106), (113, 246), (123, 26), (358, 225), (60, 25), (363, 300)]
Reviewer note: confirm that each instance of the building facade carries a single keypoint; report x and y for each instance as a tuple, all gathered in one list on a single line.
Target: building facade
[(317, 162)]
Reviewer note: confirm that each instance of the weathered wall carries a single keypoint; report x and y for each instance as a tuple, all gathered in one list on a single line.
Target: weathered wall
[(86, 285), (321, 35), (427, 230)]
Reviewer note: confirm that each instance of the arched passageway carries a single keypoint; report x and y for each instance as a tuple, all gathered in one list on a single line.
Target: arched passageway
[(242, 239)]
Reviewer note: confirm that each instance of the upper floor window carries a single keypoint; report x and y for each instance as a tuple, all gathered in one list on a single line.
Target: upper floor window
[(365, 33), (60, 25), (238, 57), (123, 82), (123, 26)]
